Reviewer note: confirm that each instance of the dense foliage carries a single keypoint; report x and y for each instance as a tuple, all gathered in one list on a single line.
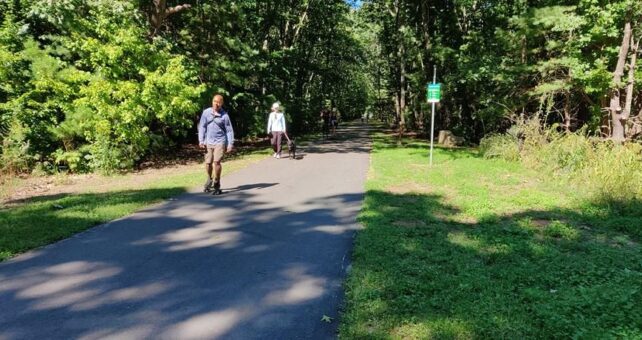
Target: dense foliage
[(101, 84), (498, 60)]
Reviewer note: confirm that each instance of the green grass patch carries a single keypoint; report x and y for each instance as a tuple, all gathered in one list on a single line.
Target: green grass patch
[(46, 219), (484, 248)]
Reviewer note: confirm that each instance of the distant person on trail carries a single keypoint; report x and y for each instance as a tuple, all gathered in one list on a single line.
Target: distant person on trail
[(215, 133), (276, 127), (325, 116), (334, 120)]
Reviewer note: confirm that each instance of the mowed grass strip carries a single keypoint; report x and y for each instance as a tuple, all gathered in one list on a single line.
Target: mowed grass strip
[(476, 248), (43, 220)]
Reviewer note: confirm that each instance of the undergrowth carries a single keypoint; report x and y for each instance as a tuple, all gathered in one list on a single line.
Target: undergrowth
[(612, 172)]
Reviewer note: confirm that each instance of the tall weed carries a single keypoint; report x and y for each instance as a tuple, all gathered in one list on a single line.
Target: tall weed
[(500, 146), (611, 172), (615, 172), (566, 153)]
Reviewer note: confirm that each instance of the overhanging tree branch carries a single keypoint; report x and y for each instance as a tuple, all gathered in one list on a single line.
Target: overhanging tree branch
[(160, 12)]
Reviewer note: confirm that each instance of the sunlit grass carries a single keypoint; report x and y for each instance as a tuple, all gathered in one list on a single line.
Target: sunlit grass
[(475, 248)]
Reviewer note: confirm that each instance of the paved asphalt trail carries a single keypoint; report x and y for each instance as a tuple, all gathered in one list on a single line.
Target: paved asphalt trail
[(266, 260)]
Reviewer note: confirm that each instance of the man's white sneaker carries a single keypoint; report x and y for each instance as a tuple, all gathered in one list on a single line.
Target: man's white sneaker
[(274, 155), (278, 156)]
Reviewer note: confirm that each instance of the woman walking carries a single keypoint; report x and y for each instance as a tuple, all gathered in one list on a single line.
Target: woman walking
[(276, 127)]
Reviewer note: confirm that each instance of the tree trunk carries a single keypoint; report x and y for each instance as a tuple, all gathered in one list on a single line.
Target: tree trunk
[(631, 81), (425, 17), (402, 88), (397, 69), (615, 107), (397, 105), (567, 111), (402, 69)]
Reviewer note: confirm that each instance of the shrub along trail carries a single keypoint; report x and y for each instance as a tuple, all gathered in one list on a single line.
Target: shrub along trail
[(264, 260)]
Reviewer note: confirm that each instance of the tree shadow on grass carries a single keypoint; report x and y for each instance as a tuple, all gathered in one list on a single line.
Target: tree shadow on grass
[(51, 218), (422, 148), (531, 274), (449, 153), (123, 195)]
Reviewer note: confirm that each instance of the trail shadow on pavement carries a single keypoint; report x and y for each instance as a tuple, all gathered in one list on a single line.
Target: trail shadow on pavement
[(167, 272), (250, 186)]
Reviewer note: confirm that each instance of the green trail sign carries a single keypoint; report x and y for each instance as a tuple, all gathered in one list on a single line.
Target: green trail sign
[(433, 93)]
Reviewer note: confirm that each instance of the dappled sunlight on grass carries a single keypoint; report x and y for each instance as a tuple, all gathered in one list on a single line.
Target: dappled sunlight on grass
[(435, 329), (50, 219), (489, 251)]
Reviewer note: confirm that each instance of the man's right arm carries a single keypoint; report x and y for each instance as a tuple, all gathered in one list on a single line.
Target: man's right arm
[(201, 131)]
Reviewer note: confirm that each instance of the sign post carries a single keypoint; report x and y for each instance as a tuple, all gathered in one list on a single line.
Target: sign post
[(433, 95)]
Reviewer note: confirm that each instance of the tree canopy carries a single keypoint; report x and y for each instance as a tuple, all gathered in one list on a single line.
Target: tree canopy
[(101, 84), (505, 59)]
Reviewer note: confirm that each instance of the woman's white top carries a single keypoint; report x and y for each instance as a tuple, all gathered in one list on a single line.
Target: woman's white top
[(276, 122)]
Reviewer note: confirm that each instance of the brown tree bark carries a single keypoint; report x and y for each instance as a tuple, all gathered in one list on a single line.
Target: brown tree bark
[(425, 20), (567, 111), (401, 55), (615, 106), (402, 88), (631, 81)]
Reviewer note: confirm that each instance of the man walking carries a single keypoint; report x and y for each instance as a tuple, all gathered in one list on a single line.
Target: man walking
[(215, 133)]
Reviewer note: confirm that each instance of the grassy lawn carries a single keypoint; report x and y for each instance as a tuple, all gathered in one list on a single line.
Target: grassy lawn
[(475, 248), (46, 219)]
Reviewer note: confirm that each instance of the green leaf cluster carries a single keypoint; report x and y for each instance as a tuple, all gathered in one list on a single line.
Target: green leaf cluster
[(100, 85)]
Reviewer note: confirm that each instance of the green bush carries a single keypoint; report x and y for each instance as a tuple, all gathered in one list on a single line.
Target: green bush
[(94, 104), (75, 160), (15, 150)]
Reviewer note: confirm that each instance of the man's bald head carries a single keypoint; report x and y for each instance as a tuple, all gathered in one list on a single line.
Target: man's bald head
[(217, 102)]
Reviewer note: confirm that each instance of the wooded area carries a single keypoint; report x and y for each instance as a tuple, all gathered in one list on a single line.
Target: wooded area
[(102, 84), (497, 60)]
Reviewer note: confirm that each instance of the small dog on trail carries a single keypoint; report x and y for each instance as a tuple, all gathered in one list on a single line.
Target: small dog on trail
[(291, 149)]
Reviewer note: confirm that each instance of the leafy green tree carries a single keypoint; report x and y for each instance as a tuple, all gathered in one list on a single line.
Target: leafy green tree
[(100, 95)]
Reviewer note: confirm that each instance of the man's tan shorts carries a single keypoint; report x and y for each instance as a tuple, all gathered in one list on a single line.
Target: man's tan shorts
[(214, 153)]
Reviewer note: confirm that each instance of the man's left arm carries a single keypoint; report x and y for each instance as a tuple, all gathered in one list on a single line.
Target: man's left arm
[(229, 130)]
